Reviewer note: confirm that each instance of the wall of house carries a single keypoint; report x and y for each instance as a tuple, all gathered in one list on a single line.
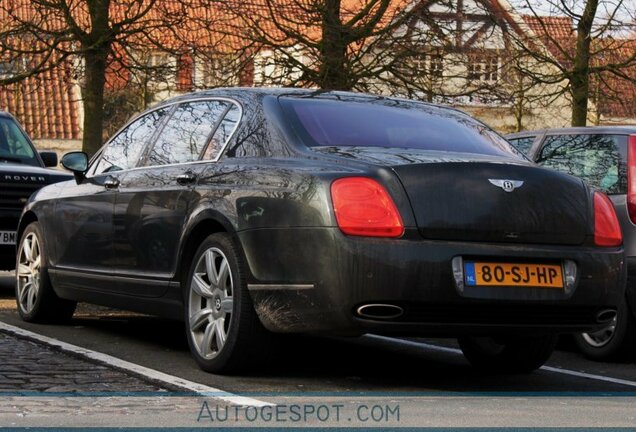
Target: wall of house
[(59, 146)]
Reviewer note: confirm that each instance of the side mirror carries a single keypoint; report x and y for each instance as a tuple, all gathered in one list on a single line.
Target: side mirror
[(76, 162), (49, 158)]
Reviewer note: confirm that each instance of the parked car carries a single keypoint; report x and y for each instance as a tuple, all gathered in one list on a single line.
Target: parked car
[(22, 172), (247, 212), (605, 157)]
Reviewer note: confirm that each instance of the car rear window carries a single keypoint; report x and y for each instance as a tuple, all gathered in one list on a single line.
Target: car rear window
[(391, 124), (597, 159)]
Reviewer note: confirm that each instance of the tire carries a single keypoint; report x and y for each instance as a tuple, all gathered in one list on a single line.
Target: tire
[(224, 333), (614, 342), (508, 355), (35, 298)]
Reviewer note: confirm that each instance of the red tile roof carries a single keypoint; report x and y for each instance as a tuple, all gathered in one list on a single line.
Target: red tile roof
[(556, 33), (615, 96), (46, 105)]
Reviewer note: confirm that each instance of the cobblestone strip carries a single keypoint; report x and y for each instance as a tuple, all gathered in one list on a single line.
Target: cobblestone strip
[(29, 366)]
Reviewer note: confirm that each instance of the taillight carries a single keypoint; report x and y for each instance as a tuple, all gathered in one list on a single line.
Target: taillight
[(364, 208), (607, 231), (631, 178)]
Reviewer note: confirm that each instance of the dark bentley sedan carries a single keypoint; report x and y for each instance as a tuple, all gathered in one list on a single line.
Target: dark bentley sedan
[(247, 212)]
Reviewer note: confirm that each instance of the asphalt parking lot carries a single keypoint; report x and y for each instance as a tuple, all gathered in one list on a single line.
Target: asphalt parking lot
[(427, 381)]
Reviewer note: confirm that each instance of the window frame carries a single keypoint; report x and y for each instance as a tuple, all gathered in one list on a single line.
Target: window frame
[(172, 106)]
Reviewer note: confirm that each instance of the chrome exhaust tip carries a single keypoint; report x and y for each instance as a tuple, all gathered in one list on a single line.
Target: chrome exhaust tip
[(379, 311), (606, 316)]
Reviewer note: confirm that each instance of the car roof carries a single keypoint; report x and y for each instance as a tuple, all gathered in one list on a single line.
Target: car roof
[(577, 130), (236, 92)]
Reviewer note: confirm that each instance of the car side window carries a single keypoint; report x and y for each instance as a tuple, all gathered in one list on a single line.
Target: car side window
[(223, 133), (597, 159), (123, 151), (523, 144), (186, 133)]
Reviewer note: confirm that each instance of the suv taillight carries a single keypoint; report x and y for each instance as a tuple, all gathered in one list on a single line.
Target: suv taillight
[(364, 208), (607, 230), (631, 178)]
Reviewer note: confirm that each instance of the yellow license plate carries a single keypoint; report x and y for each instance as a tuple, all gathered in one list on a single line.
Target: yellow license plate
[(513, 275)]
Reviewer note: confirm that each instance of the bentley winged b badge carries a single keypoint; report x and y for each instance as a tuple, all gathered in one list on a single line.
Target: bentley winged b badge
[(507, 185)]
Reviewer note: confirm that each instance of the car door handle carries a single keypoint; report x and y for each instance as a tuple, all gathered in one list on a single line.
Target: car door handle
[(111, 183), (186, 178)]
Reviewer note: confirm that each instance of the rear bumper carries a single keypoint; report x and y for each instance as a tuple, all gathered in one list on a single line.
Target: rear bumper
[(314, 279)]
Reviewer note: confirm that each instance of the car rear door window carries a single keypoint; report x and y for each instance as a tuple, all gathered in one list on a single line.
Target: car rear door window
[(597, 159), (223, 133), (187, 132), (123, 151)]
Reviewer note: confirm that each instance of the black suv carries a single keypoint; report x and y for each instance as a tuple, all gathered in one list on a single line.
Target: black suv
[(22, 172), (605, 157)]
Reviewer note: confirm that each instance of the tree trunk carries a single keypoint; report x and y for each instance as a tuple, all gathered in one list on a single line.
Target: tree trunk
[(333, 74), (93, 98), (580, 79), (580, 95)]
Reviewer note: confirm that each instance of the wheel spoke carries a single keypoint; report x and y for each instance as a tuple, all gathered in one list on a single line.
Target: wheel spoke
[(220, 333), (31, 298), (26, 248), (223, 274), (200, 287), (35, 248), (227, 305), (36, 263), (200, 318), (24, 291), (24, 270), (210, 268), (206, 343)]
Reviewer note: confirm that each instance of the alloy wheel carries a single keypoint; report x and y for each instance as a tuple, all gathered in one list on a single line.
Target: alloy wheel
[(28, 272), (602, 337), (211, 303)]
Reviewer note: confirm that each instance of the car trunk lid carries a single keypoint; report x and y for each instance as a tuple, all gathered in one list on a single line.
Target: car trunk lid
[(495, 202)]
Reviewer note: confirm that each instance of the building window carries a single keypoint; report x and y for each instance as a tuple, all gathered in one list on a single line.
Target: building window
[(436, 65), (158, 59), (483, 67), (429, 65), (217, 70)]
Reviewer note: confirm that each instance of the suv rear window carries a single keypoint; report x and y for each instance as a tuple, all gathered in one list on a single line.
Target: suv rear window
[(597, 159), (391, 124)]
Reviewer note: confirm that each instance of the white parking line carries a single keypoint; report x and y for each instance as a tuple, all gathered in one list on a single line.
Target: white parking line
[(151, 374), (458, 351)]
